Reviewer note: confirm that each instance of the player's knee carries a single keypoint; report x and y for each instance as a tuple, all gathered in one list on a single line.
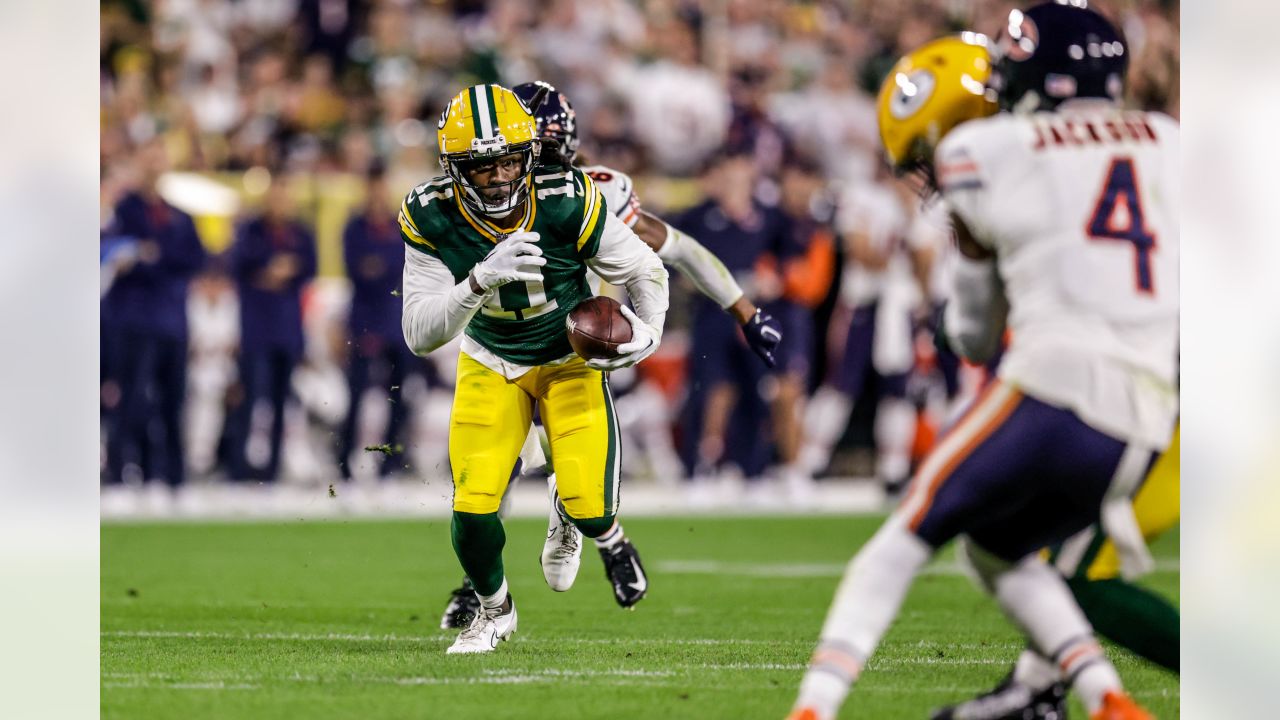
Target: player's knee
[(477, 487), (476, 503), (593, 527), (470, 496)]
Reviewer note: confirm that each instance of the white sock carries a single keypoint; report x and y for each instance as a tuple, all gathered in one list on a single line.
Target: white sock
[(867, 600), (497, 599), (1038, 600), (1095, 679), (612, 537), (1035, 671), (895, 430)]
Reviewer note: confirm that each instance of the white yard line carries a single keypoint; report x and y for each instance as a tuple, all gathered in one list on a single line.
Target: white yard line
[(819, 570), (356, 637)]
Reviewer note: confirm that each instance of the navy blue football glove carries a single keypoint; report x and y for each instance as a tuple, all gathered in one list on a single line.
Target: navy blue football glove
[(763, 335)]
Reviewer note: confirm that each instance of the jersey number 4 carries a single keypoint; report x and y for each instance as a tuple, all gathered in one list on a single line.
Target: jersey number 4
[(1118, 216)]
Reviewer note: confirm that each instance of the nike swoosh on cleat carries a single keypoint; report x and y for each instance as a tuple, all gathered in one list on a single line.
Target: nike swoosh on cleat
[(642, 583)]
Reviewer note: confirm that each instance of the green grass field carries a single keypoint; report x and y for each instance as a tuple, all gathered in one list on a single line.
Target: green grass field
[(340, 620)]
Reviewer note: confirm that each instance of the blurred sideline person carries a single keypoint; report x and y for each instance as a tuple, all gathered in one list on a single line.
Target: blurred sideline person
[(806, 265), (725, 380), (272, 259), (145, 309), (869, 339), (374, 255), (1086, 397), (499, 248), (214, 316), (558, 135)]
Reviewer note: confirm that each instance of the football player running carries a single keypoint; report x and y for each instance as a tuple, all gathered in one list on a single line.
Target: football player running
[(558, 132), (1120, 610), (501, 251), (1057, 206)]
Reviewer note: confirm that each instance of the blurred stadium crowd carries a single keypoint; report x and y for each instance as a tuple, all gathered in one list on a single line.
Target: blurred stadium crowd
[(254, 153)]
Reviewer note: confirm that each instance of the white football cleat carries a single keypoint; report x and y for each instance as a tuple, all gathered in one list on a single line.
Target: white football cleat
[(489, 627), (562, 552)]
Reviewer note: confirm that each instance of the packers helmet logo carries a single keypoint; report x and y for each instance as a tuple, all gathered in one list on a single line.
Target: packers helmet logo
[(1020, 38), (911, 91)]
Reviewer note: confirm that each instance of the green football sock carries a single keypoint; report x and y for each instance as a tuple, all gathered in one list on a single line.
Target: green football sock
[(1132, 617), (594, 527), (478, 541)]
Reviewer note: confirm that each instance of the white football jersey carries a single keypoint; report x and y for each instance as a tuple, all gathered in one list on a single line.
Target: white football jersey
[(875, 211), (1080, 207), (621, 200), (618, 191)]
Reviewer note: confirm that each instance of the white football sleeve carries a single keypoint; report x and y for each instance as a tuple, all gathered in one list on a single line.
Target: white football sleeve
[(962, 178), (701, 266), (436, 308), (976, 313), (623, 259)]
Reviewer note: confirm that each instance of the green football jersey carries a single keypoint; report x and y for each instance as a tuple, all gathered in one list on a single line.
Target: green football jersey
[(524, 322)]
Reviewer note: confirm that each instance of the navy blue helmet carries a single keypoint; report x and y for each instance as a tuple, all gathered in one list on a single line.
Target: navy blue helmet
[(1054, 52), (556, 120)]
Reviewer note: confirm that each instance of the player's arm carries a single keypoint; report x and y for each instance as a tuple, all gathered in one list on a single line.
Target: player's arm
[(712, 279), (436, 307), (622, 258), (687, 255), (975, 316)]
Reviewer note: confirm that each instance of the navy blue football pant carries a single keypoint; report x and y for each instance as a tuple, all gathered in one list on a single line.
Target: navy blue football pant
[(389, 361), (264, 373), (1016, 474), (146, 427)]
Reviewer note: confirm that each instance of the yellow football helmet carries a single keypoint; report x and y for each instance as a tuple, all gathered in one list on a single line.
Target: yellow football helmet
[(927, 93), (480, 125)]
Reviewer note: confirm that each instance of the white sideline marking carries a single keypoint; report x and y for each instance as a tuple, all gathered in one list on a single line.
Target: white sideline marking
[(348, 637), (820, 570), (710, 642)]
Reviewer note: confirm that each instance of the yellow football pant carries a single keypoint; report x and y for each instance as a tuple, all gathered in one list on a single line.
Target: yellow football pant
[(1157, 507), (491, 418)]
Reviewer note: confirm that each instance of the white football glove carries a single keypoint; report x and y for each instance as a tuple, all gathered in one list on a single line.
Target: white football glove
[(644, 341), (514, 259)]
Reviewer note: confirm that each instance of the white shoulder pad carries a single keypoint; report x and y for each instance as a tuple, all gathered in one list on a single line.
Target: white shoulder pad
[(965, 164), (618, 191)]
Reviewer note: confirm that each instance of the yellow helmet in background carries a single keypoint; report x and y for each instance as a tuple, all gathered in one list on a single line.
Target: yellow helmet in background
[(480, 125), (930, 91)]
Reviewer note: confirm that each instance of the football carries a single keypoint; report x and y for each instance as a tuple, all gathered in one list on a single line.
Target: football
[(597, 327)]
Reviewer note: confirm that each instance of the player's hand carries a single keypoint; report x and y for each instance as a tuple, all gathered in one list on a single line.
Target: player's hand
[(763, 334), (644, 341), (515, 259)]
